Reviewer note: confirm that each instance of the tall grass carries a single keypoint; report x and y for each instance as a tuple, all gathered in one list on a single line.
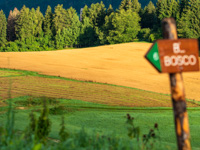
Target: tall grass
[(35, 136)]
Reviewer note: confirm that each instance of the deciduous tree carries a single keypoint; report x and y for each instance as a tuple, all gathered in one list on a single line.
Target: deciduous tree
[(125, 27)]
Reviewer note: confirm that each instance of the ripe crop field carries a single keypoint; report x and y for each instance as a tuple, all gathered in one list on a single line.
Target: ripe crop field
[(95, 88), (120, 64), (29, 83)]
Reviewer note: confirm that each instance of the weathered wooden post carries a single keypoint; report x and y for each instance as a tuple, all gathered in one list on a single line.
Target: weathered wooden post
[(177, 93), (174, 56)]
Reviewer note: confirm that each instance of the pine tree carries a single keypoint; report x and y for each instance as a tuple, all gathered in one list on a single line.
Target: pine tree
[(108, 26), (109, 10), (24, 25), (11, 36), (3, 27), (97, 13), (38, 22), (148, 19), (189, 25), (168, 8), (72, 33), (183, 5), (71, 13), (126, 5), (85, 12), (59, 18), (47, 24), (136, 6)]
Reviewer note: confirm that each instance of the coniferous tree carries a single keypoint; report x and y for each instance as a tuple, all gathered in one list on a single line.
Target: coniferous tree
[(85, 12), (126, 5), (59, 40), (3, 27), (71, 13), (189, 25), (109, 10), (47, 24), (148, 18), (183, 5), (24, 25), (11, 36), (59, 18), (168, 8), (72, 33), (38, 22), (108, 26), (68, 35), (97, 13), (136, 6)]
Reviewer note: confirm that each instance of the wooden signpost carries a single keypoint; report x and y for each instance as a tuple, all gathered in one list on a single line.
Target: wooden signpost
[(174, 56)]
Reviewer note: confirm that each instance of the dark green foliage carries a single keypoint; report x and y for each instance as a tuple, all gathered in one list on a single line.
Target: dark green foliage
[(44, 124), (38, 21), (3, 27), (136, 6), (59, 18), (97, 13), (88, 35), (109, 10), (168, 8), (28, 30), (85, 12), (189, 25), (62, 133), (125, 26), (78, 4), (24, 23), (126, 5), (183, 5), (148, 17), (36, 101), (144, 34), (11, 36), (33, 123), (47, 24), (60, 110)]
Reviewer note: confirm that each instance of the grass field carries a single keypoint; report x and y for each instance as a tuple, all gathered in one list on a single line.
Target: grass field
[(107, 120), (98, 107)]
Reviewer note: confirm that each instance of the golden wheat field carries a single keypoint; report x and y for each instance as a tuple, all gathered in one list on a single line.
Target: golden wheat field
[(120, 64)]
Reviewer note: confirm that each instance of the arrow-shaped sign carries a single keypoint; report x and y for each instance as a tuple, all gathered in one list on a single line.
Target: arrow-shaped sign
[(171, 56), (153, 56)]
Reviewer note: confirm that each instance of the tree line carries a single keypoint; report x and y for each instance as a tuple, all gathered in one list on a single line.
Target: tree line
[(76, 4), (29, 30)]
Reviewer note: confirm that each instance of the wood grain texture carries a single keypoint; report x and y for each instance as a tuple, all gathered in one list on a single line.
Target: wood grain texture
[(177, 93)]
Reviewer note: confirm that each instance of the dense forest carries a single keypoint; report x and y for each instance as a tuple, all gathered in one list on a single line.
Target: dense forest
[(30, 30), (8, 5)]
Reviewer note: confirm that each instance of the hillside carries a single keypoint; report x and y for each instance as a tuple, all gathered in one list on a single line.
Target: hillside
[(8, 5), (121, 64)]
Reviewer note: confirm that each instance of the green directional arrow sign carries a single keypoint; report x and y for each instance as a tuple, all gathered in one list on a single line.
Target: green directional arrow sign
[(153, 57)]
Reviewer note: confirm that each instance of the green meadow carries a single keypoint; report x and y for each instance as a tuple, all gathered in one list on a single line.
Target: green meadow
[(102, 119)]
